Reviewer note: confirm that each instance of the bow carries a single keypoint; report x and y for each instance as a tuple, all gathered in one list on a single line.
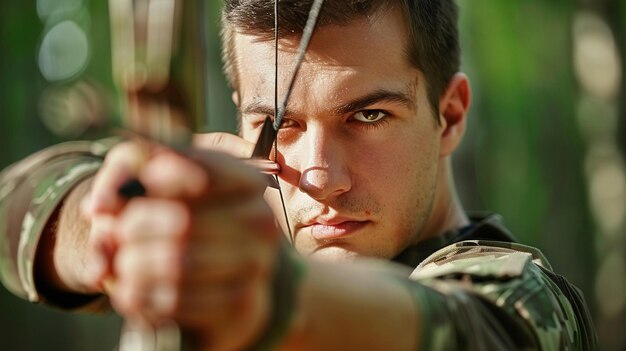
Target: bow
[(159, 55), (158, 64)]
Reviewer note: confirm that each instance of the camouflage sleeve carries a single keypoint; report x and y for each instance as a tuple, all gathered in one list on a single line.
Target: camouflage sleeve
[(30, 192), (495, 296)]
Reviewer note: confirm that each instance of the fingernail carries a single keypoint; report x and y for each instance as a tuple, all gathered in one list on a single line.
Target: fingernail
[(268, 166), (273, 165)]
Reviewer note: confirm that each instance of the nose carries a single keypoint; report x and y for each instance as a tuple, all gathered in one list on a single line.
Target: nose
[(324, 169)]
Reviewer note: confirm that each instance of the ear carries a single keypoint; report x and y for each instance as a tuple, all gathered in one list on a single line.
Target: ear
[(453, 108)]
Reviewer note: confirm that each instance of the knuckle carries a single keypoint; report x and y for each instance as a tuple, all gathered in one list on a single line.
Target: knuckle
[(146, 218), (126, 263), (127, 299), (133, 220), (122, 151)]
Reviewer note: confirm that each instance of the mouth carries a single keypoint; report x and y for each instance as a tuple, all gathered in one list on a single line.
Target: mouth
[(337, 230)]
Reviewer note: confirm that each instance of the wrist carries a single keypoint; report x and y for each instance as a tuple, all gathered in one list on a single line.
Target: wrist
[(51, 286), (60, 259)]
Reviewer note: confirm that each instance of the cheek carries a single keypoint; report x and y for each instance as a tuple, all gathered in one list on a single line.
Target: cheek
[(403, 180), (396, 165)]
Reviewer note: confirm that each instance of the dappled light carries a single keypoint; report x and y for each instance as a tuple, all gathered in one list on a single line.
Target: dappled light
[(598, 67)]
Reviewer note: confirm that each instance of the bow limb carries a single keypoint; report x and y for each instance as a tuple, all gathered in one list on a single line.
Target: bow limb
[(159, 68)]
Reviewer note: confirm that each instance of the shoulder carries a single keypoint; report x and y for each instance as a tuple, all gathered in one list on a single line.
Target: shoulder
[(480, 258), (517, 279)]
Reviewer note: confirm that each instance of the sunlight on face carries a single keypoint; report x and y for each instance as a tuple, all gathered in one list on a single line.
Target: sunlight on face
[(358, 147)]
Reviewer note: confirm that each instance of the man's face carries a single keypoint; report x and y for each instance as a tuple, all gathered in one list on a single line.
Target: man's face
[(359, 147)]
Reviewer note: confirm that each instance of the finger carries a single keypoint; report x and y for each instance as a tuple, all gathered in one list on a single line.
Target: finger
[(235, 146), (200, 174), (228, 176), (238, 222), (149, 263), (121, 164), (264, 166), (224, 142), (145, 287), (143, 271), (129, 299), (168, 175), (149, 219), (146, 274)]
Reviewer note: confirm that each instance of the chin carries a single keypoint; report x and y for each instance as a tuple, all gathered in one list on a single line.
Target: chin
[(335, 254)]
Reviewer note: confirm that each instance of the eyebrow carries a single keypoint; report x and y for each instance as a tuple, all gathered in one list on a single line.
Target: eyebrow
[(360, 103), (377, 97), (259, 107)]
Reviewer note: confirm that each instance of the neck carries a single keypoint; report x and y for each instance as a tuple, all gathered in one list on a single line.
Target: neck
[(447, 212)]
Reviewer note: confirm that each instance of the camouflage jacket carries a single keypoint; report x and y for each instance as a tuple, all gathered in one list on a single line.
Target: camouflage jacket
[(474, 289), (480, 290)]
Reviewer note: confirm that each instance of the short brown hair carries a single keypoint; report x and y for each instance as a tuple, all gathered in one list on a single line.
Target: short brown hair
[(433, 45)]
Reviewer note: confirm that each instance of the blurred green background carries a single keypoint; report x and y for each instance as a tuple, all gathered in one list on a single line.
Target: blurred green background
[(545, 145)]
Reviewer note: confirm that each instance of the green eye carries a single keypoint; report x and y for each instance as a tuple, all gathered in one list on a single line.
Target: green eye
[(369, 116)]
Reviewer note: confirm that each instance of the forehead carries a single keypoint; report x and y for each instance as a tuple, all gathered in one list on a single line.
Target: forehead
[(373, 46)]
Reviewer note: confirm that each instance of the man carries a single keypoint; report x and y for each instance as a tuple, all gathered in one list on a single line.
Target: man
[(364, 169)]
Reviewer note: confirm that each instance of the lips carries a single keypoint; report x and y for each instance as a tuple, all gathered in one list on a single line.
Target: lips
[(336, 230)]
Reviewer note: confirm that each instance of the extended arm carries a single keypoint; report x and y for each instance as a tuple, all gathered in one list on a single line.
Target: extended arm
[(31, 193), (40, 197)]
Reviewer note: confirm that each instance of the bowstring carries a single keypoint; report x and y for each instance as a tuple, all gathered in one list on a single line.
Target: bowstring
[(279, 112), (307, 33), (277, 126)]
